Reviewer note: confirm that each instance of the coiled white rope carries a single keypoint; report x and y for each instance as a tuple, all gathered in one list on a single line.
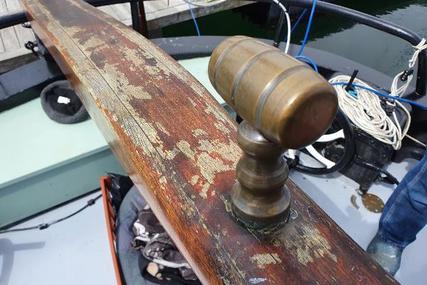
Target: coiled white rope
[(364, 109)]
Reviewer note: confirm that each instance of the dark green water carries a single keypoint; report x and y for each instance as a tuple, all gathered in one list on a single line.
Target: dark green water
[(383, 52)]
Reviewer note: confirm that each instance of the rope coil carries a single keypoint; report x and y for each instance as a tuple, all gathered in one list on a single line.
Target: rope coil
[(365, 110)]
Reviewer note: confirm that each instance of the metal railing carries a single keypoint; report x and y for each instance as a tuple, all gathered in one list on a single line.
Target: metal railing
[(139, 23)]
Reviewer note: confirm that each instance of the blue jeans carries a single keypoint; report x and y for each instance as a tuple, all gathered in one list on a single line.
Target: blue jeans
[(405, 213)]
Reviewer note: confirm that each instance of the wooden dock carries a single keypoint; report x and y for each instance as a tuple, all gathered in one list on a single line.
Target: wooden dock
[(159, 13)]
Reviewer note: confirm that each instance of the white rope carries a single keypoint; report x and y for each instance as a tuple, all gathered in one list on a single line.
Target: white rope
[(397, 90), (288, 24), (364, 109)]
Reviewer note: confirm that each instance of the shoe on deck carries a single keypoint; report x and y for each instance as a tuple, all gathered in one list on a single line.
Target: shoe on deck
[(386, 254)]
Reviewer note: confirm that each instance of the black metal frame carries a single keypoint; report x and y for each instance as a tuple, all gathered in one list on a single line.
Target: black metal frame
[(139, 22), (373, 22)]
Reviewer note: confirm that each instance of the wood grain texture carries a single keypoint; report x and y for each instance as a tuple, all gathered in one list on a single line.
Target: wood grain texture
[(179, 147)]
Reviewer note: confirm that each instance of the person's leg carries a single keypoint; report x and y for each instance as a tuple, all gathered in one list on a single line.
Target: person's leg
[(405, 214)]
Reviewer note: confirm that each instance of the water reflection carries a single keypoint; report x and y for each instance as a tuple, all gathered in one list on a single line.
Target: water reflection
[(378, 50)]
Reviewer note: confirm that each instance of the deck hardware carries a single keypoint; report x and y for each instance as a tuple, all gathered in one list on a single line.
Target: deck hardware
[(32, 46), (284, 104), (406, 74), (350, 82), (372, 203), (260, 197)]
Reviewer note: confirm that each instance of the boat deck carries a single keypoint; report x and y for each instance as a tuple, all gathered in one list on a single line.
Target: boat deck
[(76, 251), (159, 13)]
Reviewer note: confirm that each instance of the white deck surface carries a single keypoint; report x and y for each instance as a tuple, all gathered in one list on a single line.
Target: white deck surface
[(333, 192), (75, 251), (65, 143)]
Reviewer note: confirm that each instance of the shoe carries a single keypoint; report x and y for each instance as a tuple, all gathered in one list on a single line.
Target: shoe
[(386, 254)]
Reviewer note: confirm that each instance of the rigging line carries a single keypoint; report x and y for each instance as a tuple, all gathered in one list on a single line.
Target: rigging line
[(300, 54), (309, 24), (301, 16), (388, 96), (362, 106), (44, 226), (288, 24), (196, 25)]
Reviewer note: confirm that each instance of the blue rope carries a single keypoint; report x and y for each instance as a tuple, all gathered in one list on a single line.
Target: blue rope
[(307, 31), (388, 96), (308, 60), (300, 55), (295, 25), (196, 26)]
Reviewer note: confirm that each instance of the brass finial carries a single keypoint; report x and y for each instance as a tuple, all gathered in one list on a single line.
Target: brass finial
[(285, 104), (260, 198)]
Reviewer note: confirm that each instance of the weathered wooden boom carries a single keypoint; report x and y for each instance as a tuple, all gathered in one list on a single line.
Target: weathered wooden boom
[(179, 147)]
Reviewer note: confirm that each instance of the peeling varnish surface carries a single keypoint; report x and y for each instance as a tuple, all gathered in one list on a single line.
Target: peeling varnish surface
[(199, 133), (220, 116), (220, 126), (262, 260), (308, 245), (120, 83), (210, 157)]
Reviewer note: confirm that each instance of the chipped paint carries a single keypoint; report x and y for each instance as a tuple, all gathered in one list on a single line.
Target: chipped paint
[(162, 128), (135, 56), (207, 160), (194, 179), (210, 166), (199, 132), (220, 126), (309, 245), (192, 102), (163, 180), (264, 259), (120, 83), (185, 148), (230, 152), (216, 113)]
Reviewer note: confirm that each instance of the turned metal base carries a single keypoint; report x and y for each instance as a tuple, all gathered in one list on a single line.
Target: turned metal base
[(260, 198)]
